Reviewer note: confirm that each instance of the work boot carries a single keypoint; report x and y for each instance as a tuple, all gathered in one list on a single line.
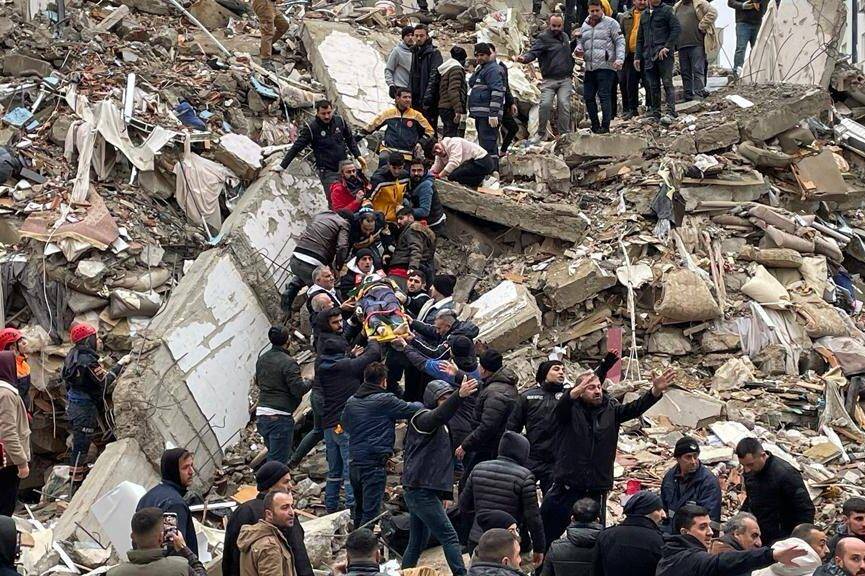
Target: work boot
[(291, 290)]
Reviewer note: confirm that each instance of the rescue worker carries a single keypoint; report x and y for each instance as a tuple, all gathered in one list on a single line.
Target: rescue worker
[(14, 341)]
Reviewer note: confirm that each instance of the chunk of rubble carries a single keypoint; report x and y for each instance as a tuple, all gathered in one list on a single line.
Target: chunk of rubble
[(576, 147), (506, 315), (668, 342), (686, 408), (567, 282), (322, 536)]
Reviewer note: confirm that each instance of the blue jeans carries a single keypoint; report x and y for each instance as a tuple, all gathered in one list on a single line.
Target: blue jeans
[(428, 516), (746, 33), (278, 434), (336, 449), (367, 483), (82, 416)]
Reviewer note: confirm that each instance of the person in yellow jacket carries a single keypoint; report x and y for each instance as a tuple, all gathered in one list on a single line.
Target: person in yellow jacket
[(389, 186)]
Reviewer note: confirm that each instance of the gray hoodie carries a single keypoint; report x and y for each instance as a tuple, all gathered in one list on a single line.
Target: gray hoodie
[(397, 71), (602, 44)]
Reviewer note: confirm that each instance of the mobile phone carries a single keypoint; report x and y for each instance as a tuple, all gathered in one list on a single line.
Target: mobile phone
[(169, 527)]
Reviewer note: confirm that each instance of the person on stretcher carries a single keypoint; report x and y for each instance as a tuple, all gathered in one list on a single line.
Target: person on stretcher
[(380, 307)]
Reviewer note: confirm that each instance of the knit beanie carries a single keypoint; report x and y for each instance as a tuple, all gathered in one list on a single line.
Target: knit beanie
[(642, 503), (444, 284), (269, 474), (491, 360), (544, 369), (461, 346), (685, 445)]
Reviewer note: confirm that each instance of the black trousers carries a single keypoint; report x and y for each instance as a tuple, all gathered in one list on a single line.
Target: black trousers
[(556, 508), (509, 130), (629, 82), (472, 173), (9, 483), (450, 127), (599, 85), (660, 74)]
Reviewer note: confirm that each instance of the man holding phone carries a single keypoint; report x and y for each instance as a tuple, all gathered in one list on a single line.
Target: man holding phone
[(749, 16), (151, 531)]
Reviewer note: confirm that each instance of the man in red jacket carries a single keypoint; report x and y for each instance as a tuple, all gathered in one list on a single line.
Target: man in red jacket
[(348, 192)]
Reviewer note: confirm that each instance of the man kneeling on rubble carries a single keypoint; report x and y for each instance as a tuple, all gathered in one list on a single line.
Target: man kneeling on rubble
[(462, 161), (151, 542)]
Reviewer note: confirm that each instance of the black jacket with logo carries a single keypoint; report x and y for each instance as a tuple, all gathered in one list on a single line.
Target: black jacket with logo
[(330, 143), (535, 411)]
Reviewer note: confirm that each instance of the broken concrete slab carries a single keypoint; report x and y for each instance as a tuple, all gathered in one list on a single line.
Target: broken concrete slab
[(506, 316), (785, 112), (546, 168), (819, 175), (240, 154), (687, 408), (325, 535), (196, 364), (211, 14), (731, 187), (569, 282), (576, 148), (15, 64), (113, 19), (798, 43), (356, 85), (716, 137), (550, 219), (733, 374), (121, 461), (668, 342), (263, 227)]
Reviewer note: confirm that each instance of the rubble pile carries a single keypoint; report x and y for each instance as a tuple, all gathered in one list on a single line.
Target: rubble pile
[(727, 243)]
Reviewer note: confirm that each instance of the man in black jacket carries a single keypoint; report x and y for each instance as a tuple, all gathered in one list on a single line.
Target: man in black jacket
[(497, 398), (324, 242), (331, 140), (424, 63), (497, 554), (271, 476), (362, 554), (588, 418), (428, 473), (504, 484), (852, 524), (554, 50), (369, 418), (534, 411), (574, 554), (339, 373), (509, 115), (656, 42), (686, 553), (280, 391), (777, 495), (634, 546), (434, 340), (415, 247), (690, 481), (749, 17)]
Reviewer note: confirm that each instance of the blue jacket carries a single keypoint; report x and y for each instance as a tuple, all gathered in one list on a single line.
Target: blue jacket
[(168, 497), (487, 91), (700, 486), (370, 418), (423, 199)]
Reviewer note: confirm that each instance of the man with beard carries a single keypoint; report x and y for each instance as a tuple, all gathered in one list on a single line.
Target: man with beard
[(589, 418), (534, 411), (359, 267), (602, 47), (177, 469), (690, 481), (415, 247), (853, 522), (417, 292), (849, 559), (348, 192), (423, 197), (487, 99), (425, 62)]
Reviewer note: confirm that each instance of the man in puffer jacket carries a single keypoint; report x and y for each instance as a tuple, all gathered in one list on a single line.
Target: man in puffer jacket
[(574, 554), (495, 402), (448, 91), (504, 484), (603, 48), (487, 99)]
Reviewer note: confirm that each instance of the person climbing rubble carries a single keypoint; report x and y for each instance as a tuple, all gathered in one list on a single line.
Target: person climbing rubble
[(407, 132), (487, 99), (462, 161), (88, 391)]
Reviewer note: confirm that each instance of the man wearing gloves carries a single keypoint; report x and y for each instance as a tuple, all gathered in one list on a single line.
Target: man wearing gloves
[(634, 546), (487, 99), (602, 46)]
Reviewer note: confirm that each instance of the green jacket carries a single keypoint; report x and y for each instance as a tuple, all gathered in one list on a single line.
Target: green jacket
[(154, 562), (279, 382)]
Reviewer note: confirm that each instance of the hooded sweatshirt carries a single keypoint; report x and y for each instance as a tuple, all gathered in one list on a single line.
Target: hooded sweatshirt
[(168, 495), (8, 541), (14, 426), (264, 551), (805, 565), (453, 89), (397, 70)]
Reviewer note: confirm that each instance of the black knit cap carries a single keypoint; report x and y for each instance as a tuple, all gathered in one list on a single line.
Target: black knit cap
[(269, 474), (491, 360), (461, 346), (685, 445), (642, 503), (445, 284), (544, 369)]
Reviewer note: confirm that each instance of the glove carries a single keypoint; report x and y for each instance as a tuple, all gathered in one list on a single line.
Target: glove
[(392, 91), (494, 121)]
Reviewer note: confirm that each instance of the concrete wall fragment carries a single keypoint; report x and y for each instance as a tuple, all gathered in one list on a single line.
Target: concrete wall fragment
[(798, 43), (506, 315)]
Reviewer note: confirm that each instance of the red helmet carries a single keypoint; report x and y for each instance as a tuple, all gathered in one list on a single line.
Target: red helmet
[(9, 336), (81, 331)]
